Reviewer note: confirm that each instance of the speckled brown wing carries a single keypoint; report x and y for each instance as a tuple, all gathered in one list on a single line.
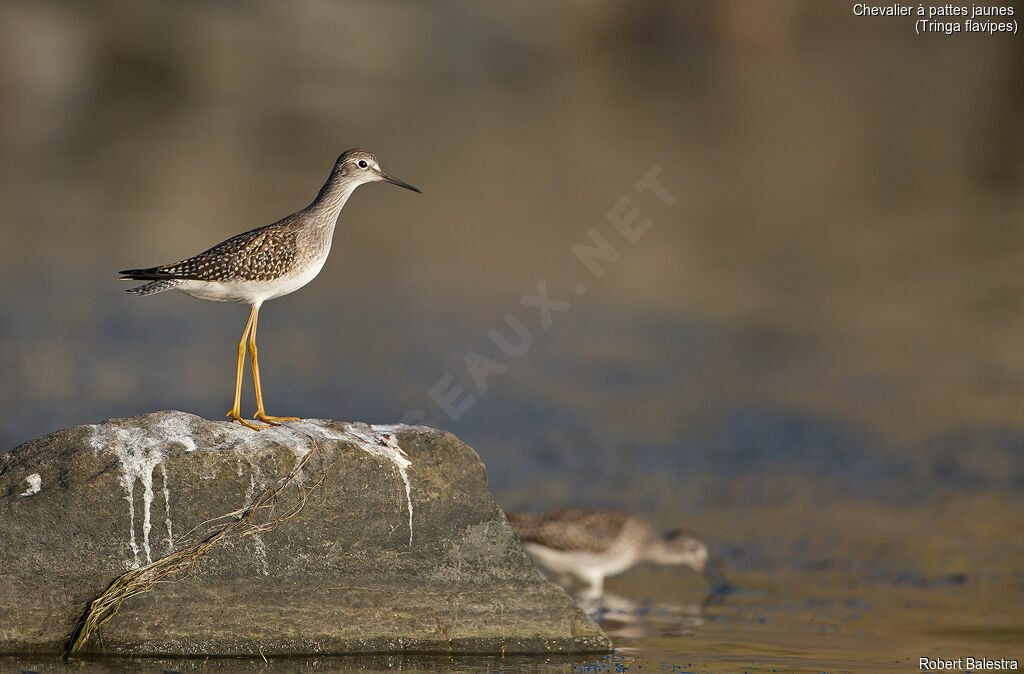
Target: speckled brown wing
[(261, 254), (575, 529)]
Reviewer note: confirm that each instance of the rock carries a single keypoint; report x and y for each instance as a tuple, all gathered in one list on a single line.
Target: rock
[(381, 538)]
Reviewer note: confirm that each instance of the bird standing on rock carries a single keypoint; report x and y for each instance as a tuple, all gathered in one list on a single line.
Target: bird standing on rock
[(267, 262)]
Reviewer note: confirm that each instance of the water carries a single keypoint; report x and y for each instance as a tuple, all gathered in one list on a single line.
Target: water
[(812, 357), (849, 550), (814, 624)]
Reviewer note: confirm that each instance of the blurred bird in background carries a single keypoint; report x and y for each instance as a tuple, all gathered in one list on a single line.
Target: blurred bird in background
[(593, 544)]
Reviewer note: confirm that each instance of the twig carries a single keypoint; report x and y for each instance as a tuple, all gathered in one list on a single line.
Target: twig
[(168, 568)]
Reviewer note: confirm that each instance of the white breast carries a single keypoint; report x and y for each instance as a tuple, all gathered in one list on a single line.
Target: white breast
[(252, 292), (582, 563)]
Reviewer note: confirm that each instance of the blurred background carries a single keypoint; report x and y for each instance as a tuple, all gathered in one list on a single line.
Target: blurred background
[(813, 356)]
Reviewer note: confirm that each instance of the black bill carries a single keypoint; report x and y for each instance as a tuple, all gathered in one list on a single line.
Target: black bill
[(396, 181)]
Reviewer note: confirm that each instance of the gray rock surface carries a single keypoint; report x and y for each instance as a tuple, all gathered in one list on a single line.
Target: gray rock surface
[(394, 543)]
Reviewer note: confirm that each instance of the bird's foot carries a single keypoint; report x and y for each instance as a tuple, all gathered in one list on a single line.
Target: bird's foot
[(273, 421), (235, 416)]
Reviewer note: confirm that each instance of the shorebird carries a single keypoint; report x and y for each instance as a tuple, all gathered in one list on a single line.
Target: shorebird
[(266, 262), (592, 544)]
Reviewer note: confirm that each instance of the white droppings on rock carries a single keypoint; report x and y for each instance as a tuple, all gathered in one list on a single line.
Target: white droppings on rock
[(402, 428), (303, 436), (35, 484), (141, 449), (167, 507), (377, 440), (147, 500), (250, 443), (380, 441), (260, 549)]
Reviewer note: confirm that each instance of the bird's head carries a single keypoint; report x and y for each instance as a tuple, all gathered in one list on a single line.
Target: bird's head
[(360, 166), (680, 547)]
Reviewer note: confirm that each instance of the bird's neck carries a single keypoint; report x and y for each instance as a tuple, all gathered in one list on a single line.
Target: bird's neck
[(656, 550), (331, 199), (653, 551)]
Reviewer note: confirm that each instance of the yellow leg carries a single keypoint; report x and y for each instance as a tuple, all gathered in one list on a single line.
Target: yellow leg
[(236, 413), (261, 413)]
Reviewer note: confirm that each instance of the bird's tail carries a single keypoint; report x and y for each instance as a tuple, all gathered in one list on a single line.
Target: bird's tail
[(153, 287)]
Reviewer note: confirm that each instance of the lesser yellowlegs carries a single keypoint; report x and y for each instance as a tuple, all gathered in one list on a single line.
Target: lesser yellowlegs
[(266, 262), (593, 544)]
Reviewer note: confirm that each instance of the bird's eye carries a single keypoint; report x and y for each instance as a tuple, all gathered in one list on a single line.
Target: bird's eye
[(362, 163)]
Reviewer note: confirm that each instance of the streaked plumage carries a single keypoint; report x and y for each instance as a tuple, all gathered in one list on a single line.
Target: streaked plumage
[(261, 254), (153, 287), (578, 529), (266, 262), (593, 544)]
